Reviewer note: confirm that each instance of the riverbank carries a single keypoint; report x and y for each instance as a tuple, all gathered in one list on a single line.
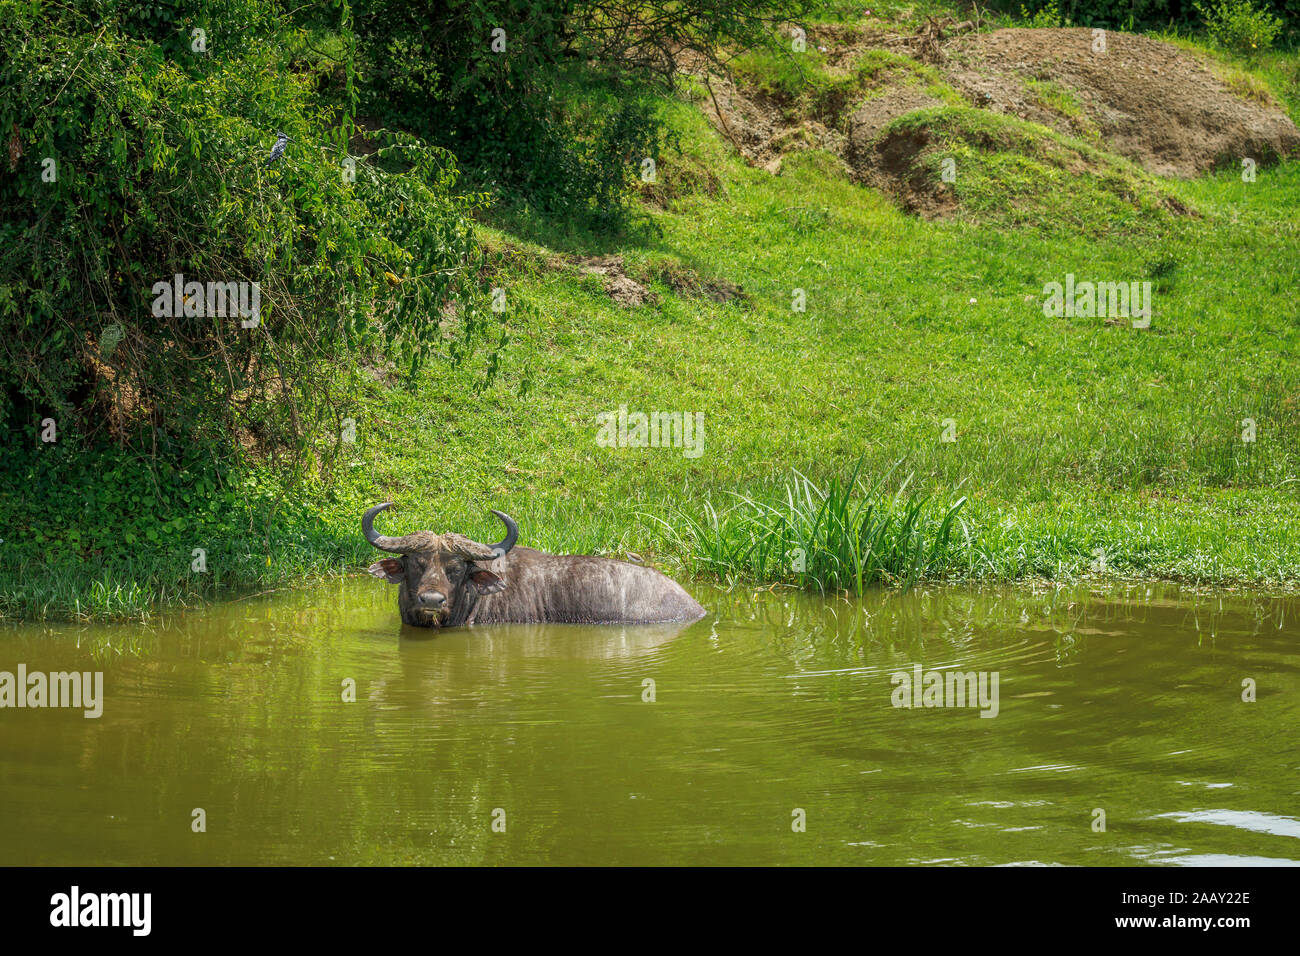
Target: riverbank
[(1230, 539), (809, 325)]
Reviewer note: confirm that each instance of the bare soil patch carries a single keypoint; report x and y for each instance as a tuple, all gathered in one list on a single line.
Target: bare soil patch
[(890, 164), (870, 119), (760, 128), (621, 287), (629, 292), (689, 283), (1167, 109), (1155, 103)]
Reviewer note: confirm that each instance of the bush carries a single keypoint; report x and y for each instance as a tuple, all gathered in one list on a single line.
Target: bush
[(1047, 15), (131, 159), (1134, 15), (545, 97), (1110, 14), (1238, 25)]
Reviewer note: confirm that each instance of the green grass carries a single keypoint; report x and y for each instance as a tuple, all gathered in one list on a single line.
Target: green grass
[(1072, 438), (844, 538), (1010, 172), (805, 88), (1053, 416), (1052, 96)]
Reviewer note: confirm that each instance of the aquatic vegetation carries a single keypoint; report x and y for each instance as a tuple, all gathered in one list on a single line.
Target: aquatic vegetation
[(844, 538)]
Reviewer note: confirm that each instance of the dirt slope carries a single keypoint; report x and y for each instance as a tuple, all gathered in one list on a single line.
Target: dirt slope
[(1161, 106), (1158, 104)]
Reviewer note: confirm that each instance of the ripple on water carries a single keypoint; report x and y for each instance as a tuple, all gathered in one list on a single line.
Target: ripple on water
[(1243, 819)]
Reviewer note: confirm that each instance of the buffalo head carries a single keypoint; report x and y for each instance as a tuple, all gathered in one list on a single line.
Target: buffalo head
[(441, 575)]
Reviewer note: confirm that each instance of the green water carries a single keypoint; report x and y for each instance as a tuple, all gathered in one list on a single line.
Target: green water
[(1127, 700)]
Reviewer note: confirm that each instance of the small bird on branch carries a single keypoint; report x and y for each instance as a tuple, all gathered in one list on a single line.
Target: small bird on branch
[(281, 140)]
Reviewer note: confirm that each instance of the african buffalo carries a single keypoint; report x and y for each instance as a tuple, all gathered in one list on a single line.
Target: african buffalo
[(448, 580)]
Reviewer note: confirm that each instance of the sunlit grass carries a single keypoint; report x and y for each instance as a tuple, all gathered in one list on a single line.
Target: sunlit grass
[(1081, 448), (843, 538)]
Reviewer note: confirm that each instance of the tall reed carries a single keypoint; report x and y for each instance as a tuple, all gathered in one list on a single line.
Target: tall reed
[(844, 538)]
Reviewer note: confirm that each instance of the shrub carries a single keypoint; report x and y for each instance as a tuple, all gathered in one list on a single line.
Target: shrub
[(1047, 15), (1112, 14), (545, 97), (132, 159), (1238, 25)]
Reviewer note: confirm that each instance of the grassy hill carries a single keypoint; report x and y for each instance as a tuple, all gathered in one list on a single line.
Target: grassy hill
[(822, 330)]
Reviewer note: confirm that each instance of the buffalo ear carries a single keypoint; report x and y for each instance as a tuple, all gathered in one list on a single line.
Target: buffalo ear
[(390, 569), (485, 582)]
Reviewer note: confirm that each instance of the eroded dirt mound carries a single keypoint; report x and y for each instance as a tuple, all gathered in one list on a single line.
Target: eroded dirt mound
[(894, 164), (762, 130), (628, 292), (1171, 111), (1007, 171), (689, 283), (869, 120), (621, 287), (1159, 105), (627, 286)]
